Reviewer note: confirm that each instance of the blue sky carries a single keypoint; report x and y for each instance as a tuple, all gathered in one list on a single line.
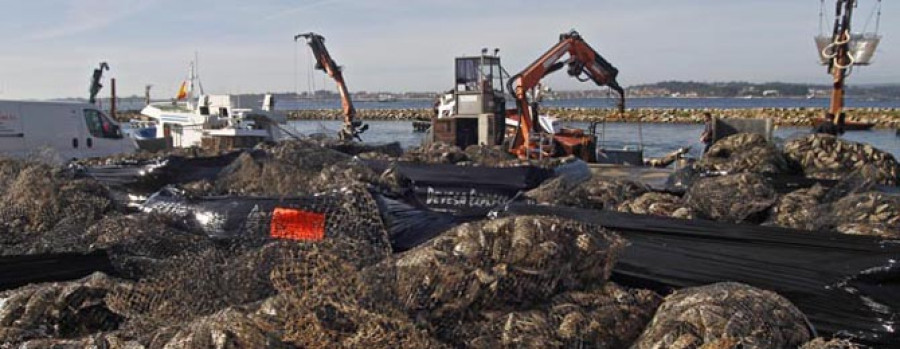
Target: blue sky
[(392, 45)]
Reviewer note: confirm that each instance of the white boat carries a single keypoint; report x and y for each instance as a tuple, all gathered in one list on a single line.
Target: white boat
[(214, 120)]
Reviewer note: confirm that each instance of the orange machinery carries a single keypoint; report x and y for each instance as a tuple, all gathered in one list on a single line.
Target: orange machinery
[(584, 63), (352, 128)]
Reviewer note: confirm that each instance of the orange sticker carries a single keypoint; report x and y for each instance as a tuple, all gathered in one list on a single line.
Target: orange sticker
[(293, 224)]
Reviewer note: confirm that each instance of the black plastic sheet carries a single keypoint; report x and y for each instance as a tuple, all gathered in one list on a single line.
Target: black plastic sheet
[(17, 271), (146, 177), (448, 187), (221, 217)]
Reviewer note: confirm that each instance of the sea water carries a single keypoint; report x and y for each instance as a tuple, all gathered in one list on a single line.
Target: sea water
[(657, 139)]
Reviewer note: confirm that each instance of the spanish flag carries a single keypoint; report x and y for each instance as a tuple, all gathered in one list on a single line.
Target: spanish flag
[(182, 91)]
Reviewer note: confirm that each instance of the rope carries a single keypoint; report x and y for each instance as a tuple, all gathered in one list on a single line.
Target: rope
[(878, 18), (872, 14), (822, 17), (849, 57), (296, 71), (829, 52), (837, 63)]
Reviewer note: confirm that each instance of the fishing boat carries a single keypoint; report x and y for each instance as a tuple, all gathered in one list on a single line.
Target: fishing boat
[(212, 121), (849, 125)]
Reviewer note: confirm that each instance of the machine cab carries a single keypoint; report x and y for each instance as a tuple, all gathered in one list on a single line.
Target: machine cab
[(474, 111), (479, 85)]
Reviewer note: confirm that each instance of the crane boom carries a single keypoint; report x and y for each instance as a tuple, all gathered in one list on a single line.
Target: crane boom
[(584, 63), (352, 127)]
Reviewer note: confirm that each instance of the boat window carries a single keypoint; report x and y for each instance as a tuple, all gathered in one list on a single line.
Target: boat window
[(100, 125)]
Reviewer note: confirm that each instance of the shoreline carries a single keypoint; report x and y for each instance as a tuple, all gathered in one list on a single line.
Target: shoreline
[(882, 118)]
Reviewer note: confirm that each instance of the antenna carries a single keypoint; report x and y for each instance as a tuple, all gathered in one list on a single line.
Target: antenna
[(195, 73)]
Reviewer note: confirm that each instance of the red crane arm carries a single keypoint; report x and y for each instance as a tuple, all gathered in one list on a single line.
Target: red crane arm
[(325, 63), (583, 61)]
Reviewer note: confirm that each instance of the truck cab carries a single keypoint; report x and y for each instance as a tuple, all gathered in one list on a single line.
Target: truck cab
[(474, 111)]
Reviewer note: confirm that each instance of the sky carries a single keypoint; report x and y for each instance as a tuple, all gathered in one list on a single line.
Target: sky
[(51, 46)]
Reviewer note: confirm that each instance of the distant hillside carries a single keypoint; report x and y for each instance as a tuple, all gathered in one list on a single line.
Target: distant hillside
[(744, 89)]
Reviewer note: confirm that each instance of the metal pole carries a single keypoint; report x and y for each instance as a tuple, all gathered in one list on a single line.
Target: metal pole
[(112, 98)]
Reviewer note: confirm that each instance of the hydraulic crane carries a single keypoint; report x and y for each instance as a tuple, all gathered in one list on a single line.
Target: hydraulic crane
[(352, 128), (585, 64)]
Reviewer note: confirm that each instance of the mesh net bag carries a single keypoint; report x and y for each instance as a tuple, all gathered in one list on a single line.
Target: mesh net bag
[(355, 148), (325, 301), (861, 180), (508, 262), (66, 310), (40, 206), (743, 152), (435, 153), (799, 209), (870, 213), (606, 317), (734, 198), (140, 244), (725, 315), (834, 343), (229, 328), (284, 169), (828, 157), (202, 281), (658, 204), (595, 193)]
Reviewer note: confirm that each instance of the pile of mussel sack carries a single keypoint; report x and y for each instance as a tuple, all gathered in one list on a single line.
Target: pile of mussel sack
[(309, 260), (816, 182)]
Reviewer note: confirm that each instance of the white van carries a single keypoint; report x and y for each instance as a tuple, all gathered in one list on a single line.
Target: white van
[(59, 131)]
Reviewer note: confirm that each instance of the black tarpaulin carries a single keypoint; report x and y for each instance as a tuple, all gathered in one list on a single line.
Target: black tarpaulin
[(147, 177), (17, 271), (448, 187)]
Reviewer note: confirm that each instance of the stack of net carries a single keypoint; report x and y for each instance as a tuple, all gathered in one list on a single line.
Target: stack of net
[(736, 198), (743, 152), (606, 317), (825, 156), (728, 316), (203, 281), (595, 193), (657, 204), (42, 206)]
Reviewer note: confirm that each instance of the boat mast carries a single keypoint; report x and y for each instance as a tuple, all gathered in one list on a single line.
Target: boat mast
[(840, 64)]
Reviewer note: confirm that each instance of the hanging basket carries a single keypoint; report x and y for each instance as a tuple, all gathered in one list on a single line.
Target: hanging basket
[(862, 48)]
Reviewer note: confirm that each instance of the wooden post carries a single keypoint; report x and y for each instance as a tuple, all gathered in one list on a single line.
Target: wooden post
[(112, 98)]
